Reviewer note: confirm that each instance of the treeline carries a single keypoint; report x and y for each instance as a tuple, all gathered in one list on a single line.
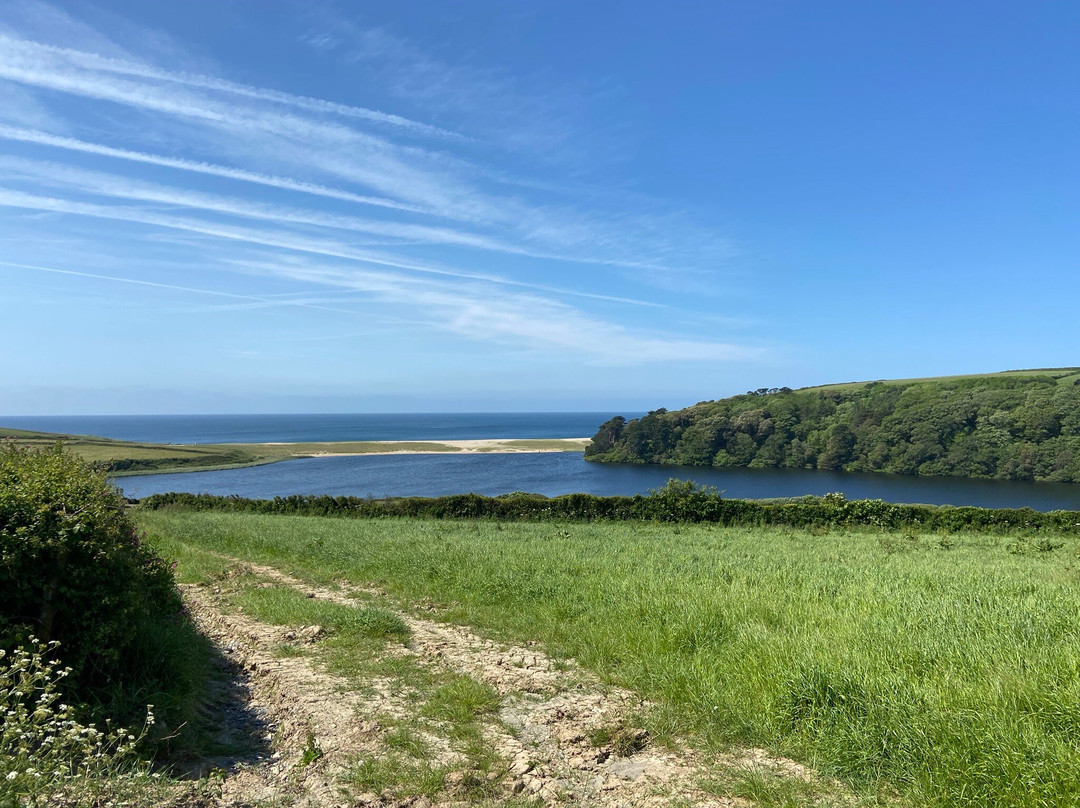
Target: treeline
[(1004, 427), (678, 501)]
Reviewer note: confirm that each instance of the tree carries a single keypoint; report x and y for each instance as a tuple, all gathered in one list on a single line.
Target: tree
[(606, 436), (839, 443)]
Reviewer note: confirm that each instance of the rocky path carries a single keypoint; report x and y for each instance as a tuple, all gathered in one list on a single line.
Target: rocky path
[(563, 737)]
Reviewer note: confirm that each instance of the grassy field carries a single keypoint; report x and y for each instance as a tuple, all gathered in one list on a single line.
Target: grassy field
[(129, 457), (1062, 375), (118, 454), (927, 669)]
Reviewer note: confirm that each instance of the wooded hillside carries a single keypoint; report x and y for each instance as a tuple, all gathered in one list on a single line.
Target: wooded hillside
[(1013, 426)]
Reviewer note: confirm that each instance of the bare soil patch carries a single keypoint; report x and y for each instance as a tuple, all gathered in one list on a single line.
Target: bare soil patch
[(562, 736)]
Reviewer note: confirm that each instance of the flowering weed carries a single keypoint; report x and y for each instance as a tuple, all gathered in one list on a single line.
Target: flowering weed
[(46, 755)]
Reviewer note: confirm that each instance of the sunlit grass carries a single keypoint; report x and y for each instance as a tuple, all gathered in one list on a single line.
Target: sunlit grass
[(282, 605), (946, 670)]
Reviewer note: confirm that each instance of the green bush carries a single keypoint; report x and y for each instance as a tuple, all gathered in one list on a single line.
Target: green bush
[(74, 570)]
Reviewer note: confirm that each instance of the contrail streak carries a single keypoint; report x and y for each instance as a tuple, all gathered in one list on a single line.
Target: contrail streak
[(273, 181), (93, 61)]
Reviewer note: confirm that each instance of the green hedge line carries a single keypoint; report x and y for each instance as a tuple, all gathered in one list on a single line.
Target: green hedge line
[(169, 463), (677, 502)]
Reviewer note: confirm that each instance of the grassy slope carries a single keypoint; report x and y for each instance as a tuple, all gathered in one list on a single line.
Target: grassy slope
[(153, 455), (942, 667), (1061, 374), (129, 457)]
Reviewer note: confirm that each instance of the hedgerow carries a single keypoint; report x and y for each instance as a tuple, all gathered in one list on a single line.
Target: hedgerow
[(678, 501), (75, 571)]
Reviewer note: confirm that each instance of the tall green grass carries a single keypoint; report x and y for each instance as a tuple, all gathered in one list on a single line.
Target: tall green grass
[(944, 669)]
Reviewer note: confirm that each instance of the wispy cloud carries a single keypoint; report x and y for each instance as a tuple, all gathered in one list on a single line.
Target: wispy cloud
[(133, 281), (330, 147), (20, 107), (103, 184), (413, 177), (135, 190), (251, 301), (19, 199), (537, 321), (523, 319), (36, 18), (123, 67), (226, 172), (487, 96), (283, 239), (306, 183)]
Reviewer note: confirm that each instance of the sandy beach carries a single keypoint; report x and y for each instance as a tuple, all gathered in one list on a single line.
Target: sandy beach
[(481, 446)]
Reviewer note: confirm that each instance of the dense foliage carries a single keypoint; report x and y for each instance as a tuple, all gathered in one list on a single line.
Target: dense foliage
[(74, 571), (678, 501), (1008, 427)]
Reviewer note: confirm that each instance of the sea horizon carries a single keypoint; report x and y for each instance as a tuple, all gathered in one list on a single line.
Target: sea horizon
[(320, 427)]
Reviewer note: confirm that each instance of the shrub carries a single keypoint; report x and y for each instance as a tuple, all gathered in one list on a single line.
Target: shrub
[(74, 570), (685, 501)]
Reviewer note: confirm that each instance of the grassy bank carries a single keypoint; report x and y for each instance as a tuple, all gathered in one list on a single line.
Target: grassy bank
[(121, 458), (942, 668), (118, 456)]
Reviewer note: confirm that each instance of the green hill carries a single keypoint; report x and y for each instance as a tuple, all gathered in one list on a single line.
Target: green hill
[(131, 457), (1019, 424)]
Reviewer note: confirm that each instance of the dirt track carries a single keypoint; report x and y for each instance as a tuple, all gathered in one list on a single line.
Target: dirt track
[(307, 727)]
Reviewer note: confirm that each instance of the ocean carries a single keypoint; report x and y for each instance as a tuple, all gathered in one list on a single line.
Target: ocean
[(319, 427)]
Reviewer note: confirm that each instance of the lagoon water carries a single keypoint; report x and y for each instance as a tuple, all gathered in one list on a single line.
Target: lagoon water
[(563, 473), (438, 474)]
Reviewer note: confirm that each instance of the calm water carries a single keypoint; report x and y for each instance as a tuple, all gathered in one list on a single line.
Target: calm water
[(298, 428), (563, 473)]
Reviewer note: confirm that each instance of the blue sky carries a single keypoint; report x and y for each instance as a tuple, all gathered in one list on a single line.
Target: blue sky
[(334, 206)]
